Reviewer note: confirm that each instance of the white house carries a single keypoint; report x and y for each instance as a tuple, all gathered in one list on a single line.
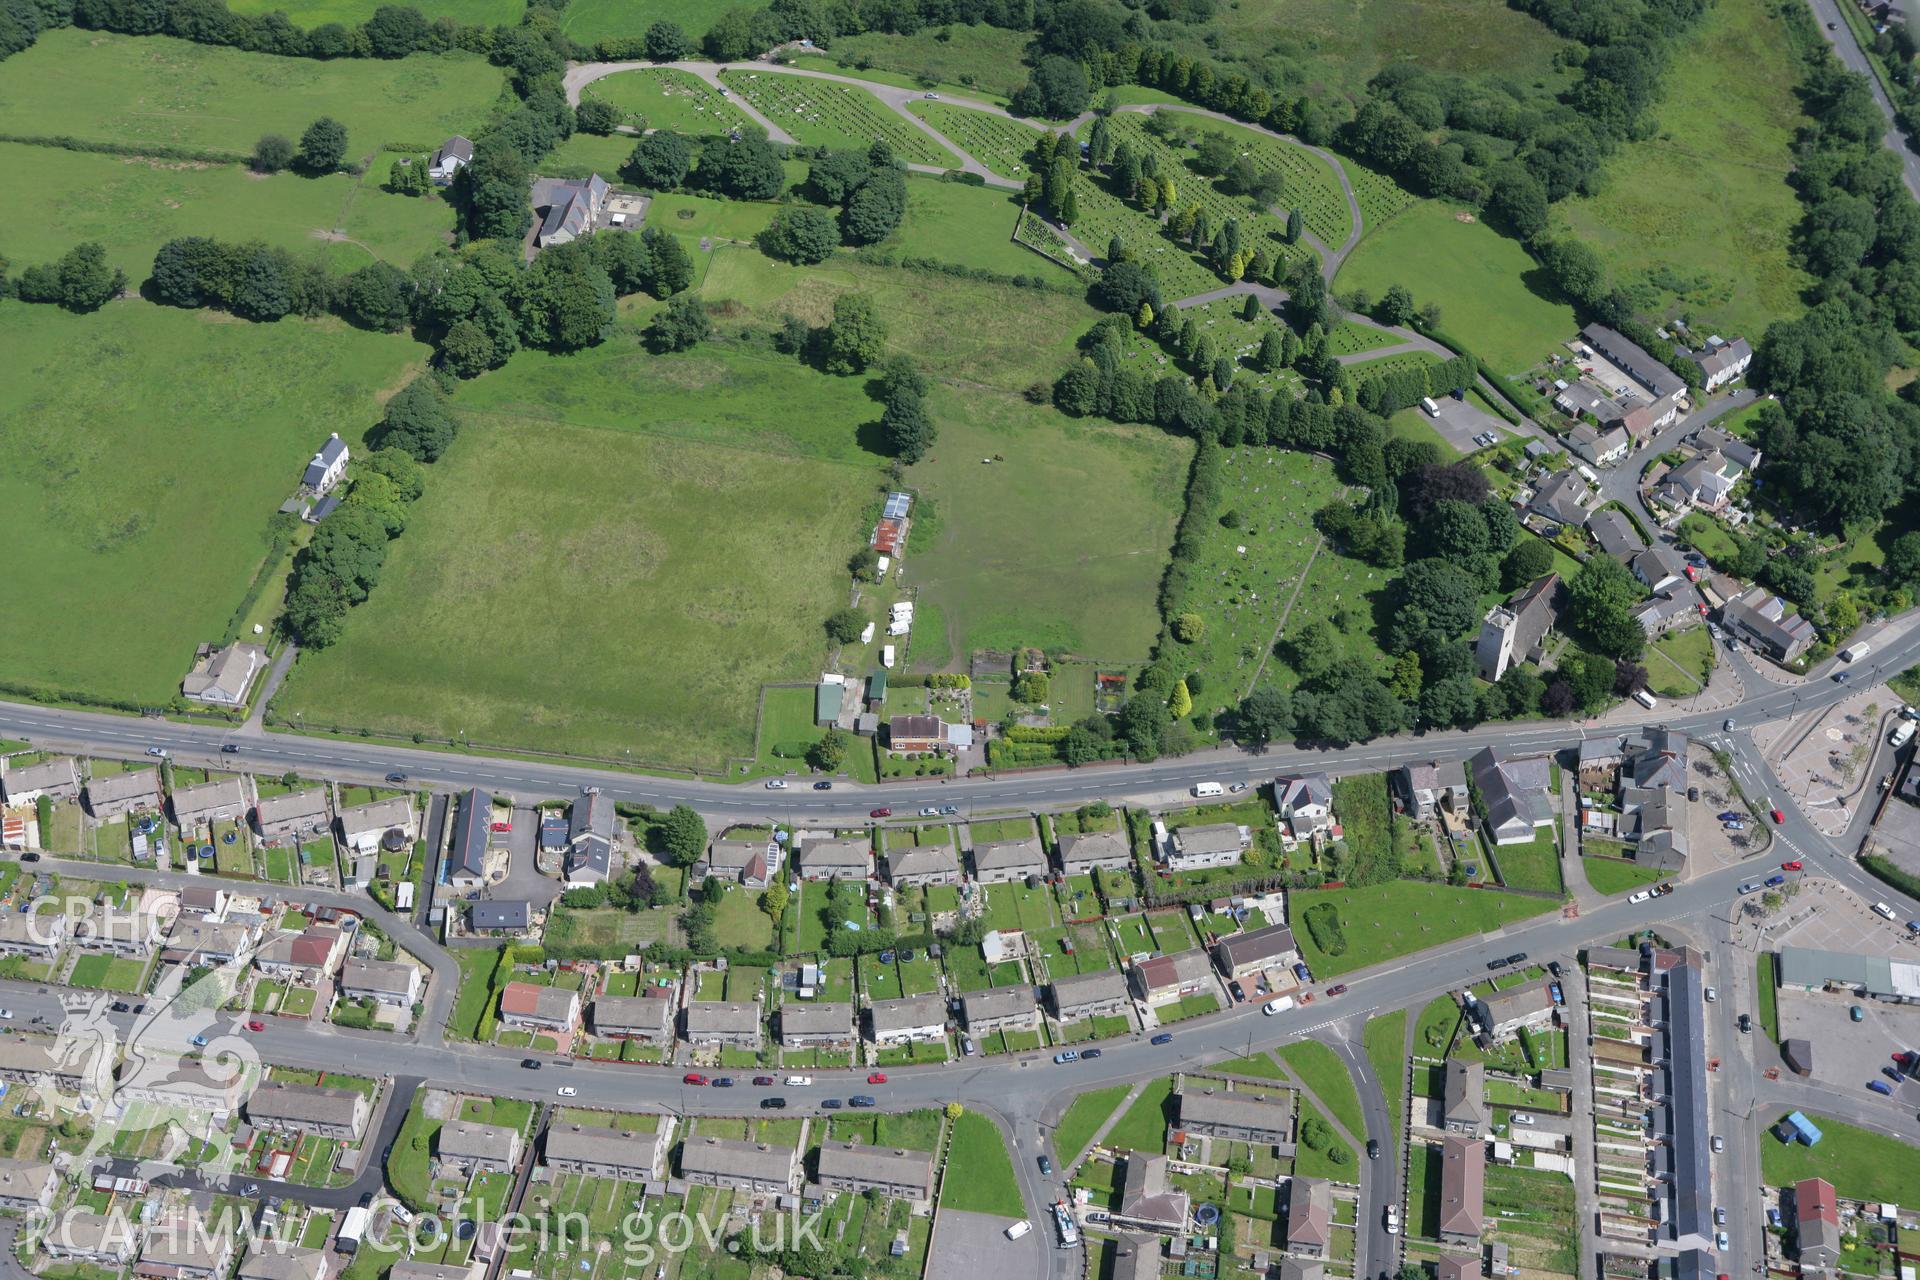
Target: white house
[(327, 467), (453, 154)]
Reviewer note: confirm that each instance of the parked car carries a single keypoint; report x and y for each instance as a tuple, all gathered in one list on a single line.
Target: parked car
[(1720, 1241), (530, 1064), (723, 1082), (763, 1080), (1553, 967), (567, 1091), (693, 1077), (1518, 957), (1279, 1004), (948, 810), (1046, 1166), (1712, 995), (1087, 1055), (159, 753), (968, 1047), (1718, 1144), (1645, 895), (776, 784), (1337, 989), (1881, 1087), (831, 1104), (396, 777), (773, 1104), (198, 1042), (1730, 815), (256, 1025), (1496, 965), (878, 1077), (929, 811), (29, 857), (799, 1082), (882, 812), (1856, 1013), (1165, 1037), (1239, 992), (1749, 886), (823, 786), (1520, 1118), (861, 1100), (1373, 1148), (1302, 973), (1067, 1057), (1775, 880)]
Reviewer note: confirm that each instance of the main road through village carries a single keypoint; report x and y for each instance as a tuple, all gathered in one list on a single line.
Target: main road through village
[(1026, 1094)]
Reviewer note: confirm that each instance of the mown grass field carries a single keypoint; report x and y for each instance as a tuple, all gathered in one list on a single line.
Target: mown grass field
[(1403, 916), (162, 91), (1703, 209), (618, 552), (995, 141), (314, 13), (590, 20), (983, 59), (1480, 279), (826, 113), (1861, 1164), (1062, 543), (666, 98), (142, 451), (968, 225), (132, 206), (985, 1181)]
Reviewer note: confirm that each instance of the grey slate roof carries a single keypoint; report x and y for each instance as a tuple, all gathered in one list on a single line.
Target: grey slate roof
[(471, 815)]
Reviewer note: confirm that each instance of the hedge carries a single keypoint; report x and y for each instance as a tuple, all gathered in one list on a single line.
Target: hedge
[(1323, 926)]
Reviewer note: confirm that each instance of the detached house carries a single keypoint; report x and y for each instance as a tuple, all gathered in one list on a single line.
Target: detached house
[(1304, 803), (1761, 619), (388, 982), (1659, 568), (749, 863), (589, 859), (1721, 362), (327, 467), (364, 826), (1242, 954), (1211, 844), (1513, 794), (1562, 499), (1616, 534), (572, 209), (454, 154), (1425, 789), (304, 957), (467, 856), (1512, 631), (1704, 482), (221, 677)]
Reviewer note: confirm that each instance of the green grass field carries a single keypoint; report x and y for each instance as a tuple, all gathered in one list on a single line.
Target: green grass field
[(1617, 875), (1532, 865), (1861, 1164), (824, 113), (314, 13), (1709, 224), (666, 98), (995, 141), (1062, 544), (132, 206), (972, 226), (1478, 277), (591, 20), (1143, 1126), (1385, 1037), (979, 1177), (1402, 916), (132, 543), (1083, 1119), (984, 60), (1321, 1070), (567, 510), (159, 90)]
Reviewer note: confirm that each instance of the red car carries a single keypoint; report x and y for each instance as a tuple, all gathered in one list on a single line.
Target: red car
[(1790, 866), (1337, 989), (256, 1025), (1778, 817), (878, 1077), (881, 813), (501, 826), (763, 1079), (693, 1077)]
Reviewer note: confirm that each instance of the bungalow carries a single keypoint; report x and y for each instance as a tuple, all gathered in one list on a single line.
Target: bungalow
[(916, 733), (364, 826), (1000, 1009), (1463, 1097), (648, 1018), (455, 153), (758, 1168), (467, 1147), (57, 779), (1163, 979), (299, 814), (902, 1175), (824, 857), (27, 1184), (722, 1024), (1463, 1189), (601, 1151), (505, 917), (36, 934), (999, 861), (221, 677), (1562, 499), (906, 1019), (388, 982), (1100, 994), (1659, 567), (1092, 851), (116, 795), (1424, 789), (924, 864), (748, 863), (1234, 1117), (1512, 631), (553, 831), (1148, 1200), (1309, 1216), (1601, 446), (529, 1007), (304, 957), (340, 1114), (1242, 954), (1304, 803), (184, 1245), (806, 1025), (467, 855), (1721, 362), (81, 1235), (1211, 844), (205, 803), (1513, 795), (1761, 619), (589, 859), (1615, 533)]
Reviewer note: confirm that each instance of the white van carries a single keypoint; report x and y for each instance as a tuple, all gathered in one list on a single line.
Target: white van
[(1019, 1229), (1208, 789), (1279, 1004), (1902, 734), (1882, 910), (1433, 410), (1645, 699), (1855, 652)]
